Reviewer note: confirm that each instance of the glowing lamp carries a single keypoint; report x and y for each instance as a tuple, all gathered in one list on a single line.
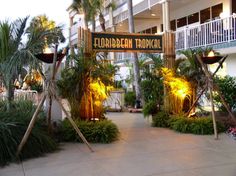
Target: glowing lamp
[(211, 58), (47, 56)]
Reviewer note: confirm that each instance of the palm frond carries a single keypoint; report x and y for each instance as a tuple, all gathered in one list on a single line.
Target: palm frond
[(5, 40), (18, 30)]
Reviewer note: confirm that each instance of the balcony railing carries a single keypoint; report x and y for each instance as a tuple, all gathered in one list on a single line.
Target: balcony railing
[(218, 31)]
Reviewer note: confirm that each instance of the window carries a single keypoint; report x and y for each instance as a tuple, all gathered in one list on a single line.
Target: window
[(233, 6), (193, 18), (154, 30), (181, 22), (148, 31), (205, 15), (173, 25), (162, 28), (216, 10)]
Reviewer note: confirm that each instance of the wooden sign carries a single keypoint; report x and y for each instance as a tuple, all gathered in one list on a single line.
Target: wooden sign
[(116, 42)]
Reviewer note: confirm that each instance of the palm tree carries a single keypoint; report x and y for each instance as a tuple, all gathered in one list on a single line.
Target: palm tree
[(76, 85), (90, 9), (190, 68), (135, 55), (42, 24), (14, 53)]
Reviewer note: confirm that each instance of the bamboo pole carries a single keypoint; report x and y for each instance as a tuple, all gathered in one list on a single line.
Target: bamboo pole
[(169, 60), (73, 123), (50, 90), (196, 100), (213, 112), (210, 86)]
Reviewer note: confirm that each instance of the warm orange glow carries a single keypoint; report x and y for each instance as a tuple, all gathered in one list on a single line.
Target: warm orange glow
[(33, 77), (47, 50), (92, 101), (211, 54), (178, 89)]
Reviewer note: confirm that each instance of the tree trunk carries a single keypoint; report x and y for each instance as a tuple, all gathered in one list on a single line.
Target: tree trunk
[(9, 95), (93, 24), (102, 22), (135, 56)]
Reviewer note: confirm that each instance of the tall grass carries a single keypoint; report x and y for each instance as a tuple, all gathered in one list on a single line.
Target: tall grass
[(13, 125)]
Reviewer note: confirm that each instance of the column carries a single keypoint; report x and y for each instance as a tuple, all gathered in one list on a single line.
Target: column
[(166, 15), (113, 29), (70, 43)]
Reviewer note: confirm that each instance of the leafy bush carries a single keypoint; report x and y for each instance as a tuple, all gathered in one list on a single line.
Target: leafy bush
[(201, 125), (161, 119), (130, 98), (103, 131), (37, 86), (227, 87), (152, 88), (13, 125), (150, 108)]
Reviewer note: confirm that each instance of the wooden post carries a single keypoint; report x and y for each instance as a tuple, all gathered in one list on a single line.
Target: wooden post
[(51, 92), (196, 100), (169, 61), (213, 110), (210, 85), (73, 123), (85, 40)]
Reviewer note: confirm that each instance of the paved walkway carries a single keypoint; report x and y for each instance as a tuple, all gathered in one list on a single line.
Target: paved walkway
[(141, 151)]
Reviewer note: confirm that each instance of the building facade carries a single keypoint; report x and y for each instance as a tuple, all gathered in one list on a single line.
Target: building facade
[(196, 24)]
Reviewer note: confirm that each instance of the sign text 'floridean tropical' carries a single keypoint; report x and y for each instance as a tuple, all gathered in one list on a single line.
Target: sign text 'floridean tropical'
[(126, 42)]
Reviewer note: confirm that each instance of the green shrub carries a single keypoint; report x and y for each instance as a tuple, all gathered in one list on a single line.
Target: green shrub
[(103, 131), (37, 86), (150, 108), (227, 87), (130, 98), (13, 125), (161, 119), (201, 125)]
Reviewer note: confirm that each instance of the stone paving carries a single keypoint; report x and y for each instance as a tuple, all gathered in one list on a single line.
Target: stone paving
[(141, 151)]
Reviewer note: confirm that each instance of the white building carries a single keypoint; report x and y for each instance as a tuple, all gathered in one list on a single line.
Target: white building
[(196, 23)]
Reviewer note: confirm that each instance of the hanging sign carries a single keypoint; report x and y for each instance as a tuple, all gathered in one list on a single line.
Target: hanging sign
[(116, 42)]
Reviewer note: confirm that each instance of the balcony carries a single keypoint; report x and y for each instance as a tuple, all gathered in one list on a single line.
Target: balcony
[(219, 33)]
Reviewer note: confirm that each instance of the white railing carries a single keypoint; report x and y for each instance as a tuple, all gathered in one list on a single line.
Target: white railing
[(218, 31)]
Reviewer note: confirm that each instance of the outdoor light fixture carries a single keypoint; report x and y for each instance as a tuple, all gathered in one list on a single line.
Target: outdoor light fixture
[(211, 58), (48, 57)]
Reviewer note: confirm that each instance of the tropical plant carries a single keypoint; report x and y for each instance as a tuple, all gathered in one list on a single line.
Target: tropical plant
[(41, 24), (152, 83), (189, 67), (150, 108), (14, 53), (161, 119), (90, 10), (13, 125), (85, 85), (130, 99), (200, 125), (227, 87), (103, 131)]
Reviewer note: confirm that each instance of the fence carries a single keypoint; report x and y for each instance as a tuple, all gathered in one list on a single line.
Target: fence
[(218, 31)]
